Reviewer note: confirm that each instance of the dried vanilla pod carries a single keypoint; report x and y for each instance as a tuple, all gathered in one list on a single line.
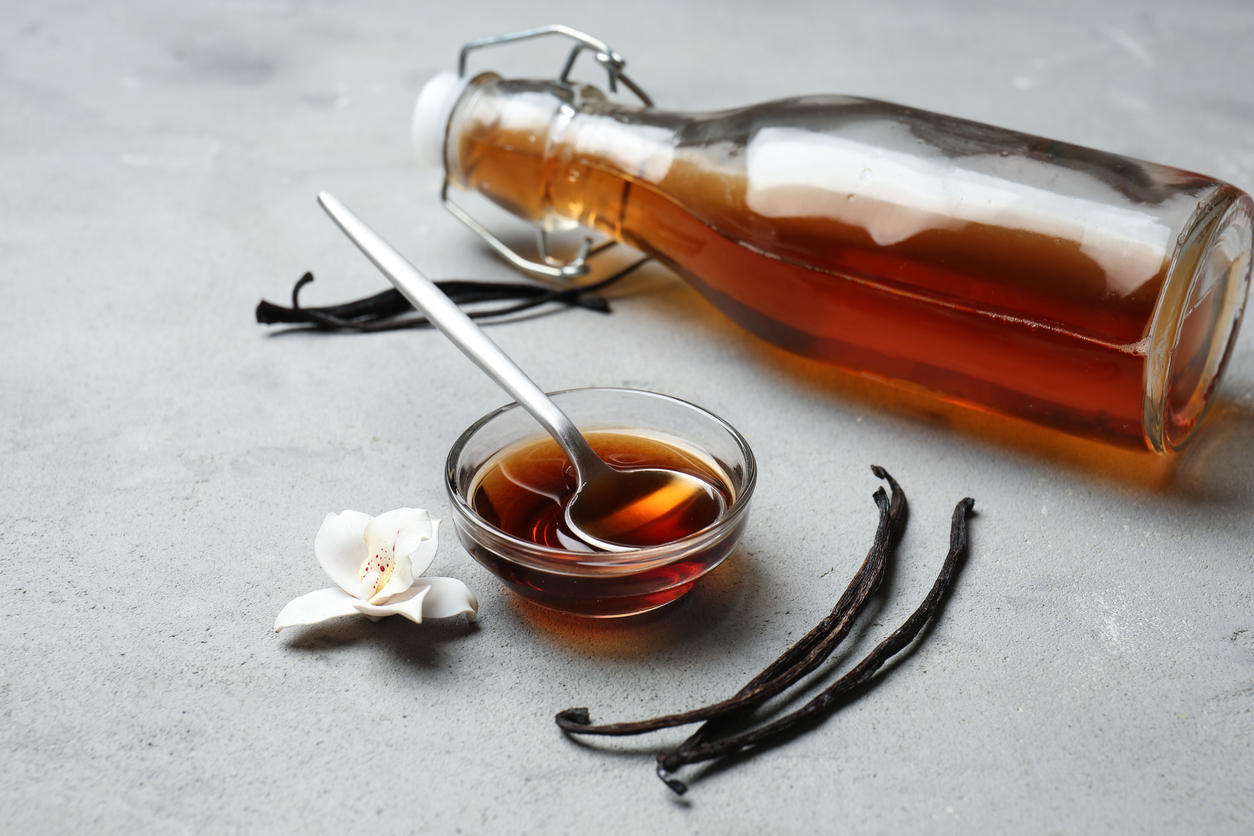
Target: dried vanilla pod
[(390, 311), (693, 751), (802, 658)]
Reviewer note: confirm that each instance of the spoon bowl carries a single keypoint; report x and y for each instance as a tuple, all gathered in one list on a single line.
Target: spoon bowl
[(631, 509)]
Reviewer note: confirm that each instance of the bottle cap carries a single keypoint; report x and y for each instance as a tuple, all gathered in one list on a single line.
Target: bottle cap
[(431, 115)]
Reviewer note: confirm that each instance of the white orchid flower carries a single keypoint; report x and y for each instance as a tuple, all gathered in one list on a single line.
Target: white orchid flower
[(375, 563)]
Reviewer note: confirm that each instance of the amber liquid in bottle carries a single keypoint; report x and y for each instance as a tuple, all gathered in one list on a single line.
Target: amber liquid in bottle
[(1047, 317), (524, 492)]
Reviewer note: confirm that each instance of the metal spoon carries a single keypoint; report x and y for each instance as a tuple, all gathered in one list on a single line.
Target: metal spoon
[(610, 507)]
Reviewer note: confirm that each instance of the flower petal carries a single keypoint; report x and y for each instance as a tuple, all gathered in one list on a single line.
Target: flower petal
[(407, 603), (322, 605), (417, 539), (448, 597), (427, 598), (341, 547)]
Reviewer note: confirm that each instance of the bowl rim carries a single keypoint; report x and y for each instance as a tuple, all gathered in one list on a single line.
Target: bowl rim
[(600, 564)]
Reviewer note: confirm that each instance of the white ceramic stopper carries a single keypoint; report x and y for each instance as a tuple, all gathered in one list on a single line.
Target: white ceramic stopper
[(431, 115)]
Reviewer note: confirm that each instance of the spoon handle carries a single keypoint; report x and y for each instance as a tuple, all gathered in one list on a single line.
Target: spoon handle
[(466, 335)]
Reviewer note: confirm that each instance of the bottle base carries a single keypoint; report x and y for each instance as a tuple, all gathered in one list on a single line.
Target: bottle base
[(1197, 321)]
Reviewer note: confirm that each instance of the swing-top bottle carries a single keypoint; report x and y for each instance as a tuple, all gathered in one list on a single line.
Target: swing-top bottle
[(1082, 290)]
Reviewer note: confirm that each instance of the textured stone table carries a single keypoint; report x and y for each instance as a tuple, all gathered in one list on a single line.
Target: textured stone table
[(165, 462)]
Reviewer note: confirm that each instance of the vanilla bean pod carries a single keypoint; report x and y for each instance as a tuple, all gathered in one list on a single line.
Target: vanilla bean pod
[(803, 657), (390, 311), (859, 674), (391, 303), (711, 727), (897, 516)]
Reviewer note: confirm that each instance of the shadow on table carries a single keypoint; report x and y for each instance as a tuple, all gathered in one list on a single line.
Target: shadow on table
[(1218, 469), (421, 647)]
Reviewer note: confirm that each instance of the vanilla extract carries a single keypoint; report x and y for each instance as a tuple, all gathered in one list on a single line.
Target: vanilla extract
[(525, 491)]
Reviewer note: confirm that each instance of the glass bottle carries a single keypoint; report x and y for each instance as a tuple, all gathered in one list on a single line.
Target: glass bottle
[(1086, 291)]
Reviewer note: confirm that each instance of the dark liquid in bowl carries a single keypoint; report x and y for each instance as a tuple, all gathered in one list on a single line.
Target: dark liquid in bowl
[(525, 491)]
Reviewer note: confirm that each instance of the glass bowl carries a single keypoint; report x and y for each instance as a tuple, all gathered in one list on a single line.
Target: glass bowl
[(601, 584)]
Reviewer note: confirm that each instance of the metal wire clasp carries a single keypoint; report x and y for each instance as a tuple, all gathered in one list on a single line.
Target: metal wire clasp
[(550, 268)]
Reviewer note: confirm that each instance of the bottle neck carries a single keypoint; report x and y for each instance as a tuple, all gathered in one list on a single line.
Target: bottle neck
[(545, 151)]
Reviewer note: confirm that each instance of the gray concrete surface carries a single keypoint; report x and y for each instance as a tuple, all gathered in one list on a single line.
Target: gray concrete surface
[(165, 462)]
